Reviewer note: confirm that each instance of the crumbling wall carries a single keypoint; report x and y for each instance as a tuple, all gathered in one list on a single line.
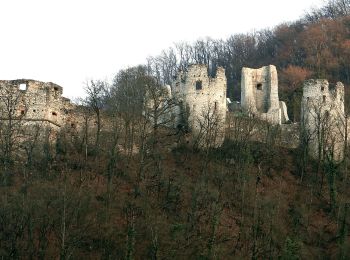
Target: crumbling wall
[(259, 94), (323, 119), (38, 101), (243, 128), (204, 98), (161, 108)]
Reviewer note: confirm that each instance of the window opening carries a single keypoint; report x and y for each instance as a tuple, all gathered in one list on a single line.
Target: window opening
[(198, 85), (326, 114), (23, 86), (55, 95)]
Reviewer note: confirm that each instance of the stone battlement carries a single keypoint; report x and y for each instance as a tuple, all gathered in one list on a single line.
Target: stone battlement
[(323, 118), (202, 96), (198, 101), (36, 100), (259, 94)]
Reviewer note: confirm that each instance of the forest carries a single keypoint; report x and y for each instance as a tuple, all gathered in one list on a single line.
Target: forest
[(130, 193)]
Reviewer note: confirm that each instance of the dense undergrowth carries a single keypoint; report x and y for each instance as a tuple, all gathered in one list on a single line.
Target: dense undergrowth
[(239, 201)]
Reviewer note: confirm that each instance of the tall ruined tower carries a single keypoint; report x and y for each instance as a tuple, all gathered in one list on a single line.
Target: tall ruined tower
[(203, 97), (323, 119), (259, 94)]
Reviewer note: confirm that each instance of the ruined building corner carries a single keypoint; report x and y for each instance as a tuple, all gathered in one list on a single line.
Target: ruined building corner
[(259, 94)]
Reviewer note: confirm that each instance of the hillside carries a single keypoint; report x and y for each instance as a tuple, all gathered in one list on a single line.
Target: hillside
[(119, 186), (244, 200)]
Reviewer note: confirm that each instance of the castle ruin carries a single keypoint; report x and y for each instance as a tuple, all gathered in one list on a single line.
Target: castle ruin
[(259, 95), (323, 123), (35, 101), (203, 98), (323, 119), (200, 101)]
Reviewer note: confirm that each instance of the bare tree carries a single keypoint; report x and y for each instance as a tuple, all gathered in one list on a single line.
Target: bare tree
[(333, 9), (159, 111), (208, 127), (95, 91), (128, 90), (326, 130), (13, 109)]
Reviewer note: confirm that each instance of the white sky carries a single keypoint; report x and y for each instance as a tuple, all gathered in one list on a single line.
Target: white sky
[(69, 41)]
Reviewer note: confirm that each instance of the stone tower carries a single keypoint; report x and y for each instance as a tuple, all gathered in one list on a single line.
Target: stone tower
[(203, 97), (259, 94), (323, 119)]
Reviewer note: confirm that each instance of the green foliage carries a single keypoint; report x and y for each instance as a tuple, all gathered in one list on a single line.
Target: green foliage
[(291, 249)]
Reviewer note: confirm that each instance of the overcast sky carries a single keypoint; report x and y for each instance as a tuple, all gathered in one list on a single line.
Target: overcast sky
[(69, 41)]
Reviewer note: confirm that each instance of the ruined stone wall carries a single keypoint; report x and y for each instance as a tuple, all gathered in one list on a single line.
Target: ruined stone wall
[(290, 135), (161, 108), (323, 118), (259, 94), (38, 101), (204, 100), (204, 97), (243, 128), (41, 104)]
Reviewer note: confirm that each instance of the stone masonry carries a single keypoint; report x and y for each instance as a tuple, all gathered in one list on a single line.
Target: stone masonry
[(202, 100), (323, 119), (37, 101), (259, 95), (203, 97)]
